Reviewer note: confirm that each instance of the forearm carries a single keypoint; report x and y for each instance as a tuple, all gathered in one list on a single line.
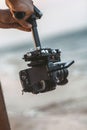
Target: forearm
[(4, 123), (4, 26)]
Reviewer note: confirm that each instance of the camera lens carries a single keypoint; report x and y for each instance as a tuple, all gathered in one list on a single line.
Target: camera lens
[(38, 87), (41, 85)]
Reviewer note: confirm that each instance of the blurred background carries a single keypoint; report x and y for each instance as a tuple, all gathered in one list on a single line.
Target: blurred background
[(63, 26)]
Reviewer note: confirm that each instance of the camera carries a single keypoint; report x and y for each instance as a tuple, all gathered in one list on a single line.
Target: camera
[(45, 69)]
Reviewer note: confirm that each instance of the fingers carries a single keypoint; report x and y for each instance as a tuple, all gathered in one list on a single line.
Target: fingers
[(7, 21), (18, 26), (14, 26), (24, 24), (25, 6)]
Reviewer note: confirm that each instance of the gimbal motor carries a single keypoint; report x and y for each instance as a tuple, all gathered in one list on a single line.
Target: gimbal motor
[(46, 70)]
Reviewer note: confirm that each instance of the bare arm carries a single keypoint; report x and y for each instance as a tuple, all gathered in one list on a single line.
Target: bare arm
[(4, 122)]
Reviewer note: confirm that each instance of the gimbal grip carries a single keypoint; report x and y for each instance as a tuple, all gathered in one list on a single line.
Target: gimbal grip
[(32, 20)]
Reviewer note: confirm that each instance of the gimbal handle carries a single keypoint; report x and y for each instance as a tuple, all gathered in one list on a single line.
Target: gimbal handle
[(35, 34), (32, 20)]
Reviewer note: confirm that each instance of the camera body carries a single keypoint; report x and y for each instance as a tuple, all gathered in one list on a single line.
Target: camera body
[(45, 71)]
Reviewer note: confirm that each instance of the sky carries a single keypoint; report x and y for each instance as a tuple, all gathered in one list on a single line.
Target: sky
[(59, 16)]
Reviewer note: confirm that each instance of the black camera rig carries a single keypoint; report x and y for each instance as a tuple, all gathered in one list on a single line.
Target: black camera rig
[(46, 70)]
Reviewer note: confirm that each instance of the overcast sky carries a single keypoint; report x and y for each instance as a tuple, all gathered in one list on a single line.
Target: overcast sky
[(59, 16)]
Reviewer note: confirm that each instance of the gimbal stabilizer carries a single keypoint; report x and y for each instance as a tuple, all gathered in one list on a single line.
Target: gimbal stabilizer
[(46, 70)]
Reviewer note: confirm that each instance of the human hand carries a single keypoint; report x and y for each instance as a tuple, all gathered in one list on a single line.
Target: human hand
[(25, 6), (7, 21)]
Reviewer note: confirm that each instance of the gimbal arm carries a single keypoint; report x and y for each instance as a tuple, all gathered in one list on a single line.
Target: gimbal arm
[(36, 38), (32, 20)]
